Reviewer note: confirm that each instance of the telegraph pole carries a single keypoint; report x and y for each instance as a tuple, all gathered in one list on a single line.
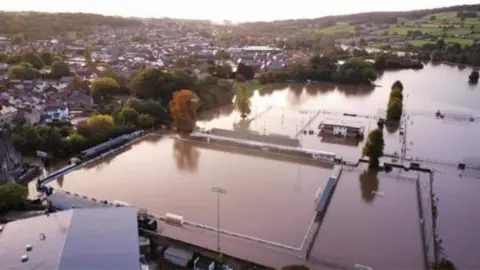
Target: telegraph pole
[(219, 191)]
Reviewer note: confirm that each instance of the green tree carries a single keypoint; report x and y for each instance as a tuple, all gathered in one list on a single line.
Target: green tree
[(221, 55), (104, 87), (59, 69), (473, 78), (396, 93), (374, 147), (242, 99), (12, 195), (145, 121), (129, 115), (15, 58), (395, 109), (24, 71), (34, 59), (47, 58), (398, 84), (3, 57), (97, 128), (76, 142)]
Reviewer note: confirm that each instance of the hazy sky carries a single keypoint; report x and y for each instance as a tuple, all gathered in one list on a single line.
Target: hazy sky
[(218, 10)]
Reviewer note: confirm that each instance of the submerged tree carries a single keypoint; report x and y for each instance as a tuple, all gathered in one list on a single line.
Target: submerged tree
[(473, 78), (183, 107), (242, 99), (373, 149)]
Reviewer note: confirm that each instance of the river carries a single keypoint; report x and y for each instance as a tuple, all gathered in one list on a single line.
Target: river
[(165, 175)]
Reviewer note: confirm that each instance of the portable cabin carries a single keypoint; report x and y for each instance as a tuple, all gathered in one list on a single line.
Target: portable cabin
[(178, 256)]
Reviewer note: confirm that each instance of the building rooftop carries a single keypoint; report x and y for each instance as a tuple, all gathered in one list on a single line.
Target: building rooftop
[(78, 239)]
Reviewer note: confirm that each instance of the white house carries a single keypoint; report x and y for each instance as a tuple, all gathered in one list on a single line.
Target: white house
[(54, 113)]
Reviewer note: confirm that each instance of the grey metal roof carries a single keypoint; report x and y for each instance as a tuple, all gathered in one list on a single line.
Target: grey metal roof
[(65, 200), (78, 239)]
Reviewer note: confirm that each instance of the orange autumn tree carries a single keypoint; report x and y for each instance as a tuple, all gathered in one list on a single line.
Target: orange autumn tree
[(183, 108)]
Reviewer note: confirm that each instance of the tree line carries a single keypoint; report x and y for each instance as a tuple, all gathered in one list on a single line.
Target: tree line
[(149, 106), (31, 26), (352, 71), (395, 102), (27, 65)]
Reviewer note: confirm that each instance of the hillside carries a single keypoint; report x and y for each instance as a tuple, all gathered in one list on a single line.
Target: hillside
[(362, 24), (36, 25)]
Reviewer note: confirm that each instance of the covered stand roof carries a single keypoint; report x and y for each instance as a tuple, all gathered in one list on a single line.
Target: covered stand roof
[(77, 239)]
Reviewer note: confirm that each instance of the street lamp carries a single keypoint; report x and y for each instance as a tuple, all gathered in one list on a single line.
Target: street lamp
[(223, 192)]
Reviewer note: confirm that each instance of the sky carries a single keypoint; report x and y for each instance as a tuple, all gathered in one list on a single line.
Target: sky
[(219, 10)]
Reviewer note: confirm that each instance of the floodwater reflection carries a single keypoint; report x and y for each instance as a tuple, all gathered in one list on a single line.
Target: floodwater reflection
[(186, 156), (392, 127), (60, 180), (317, 88), (243, 125), (356, 90), (369, 185)]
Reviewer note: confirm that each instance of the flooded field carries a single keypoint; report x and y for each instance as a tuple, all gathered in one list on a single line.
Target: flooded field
[(274, 199), (450, 141), (175, 176), (458, 220), (369, 216)]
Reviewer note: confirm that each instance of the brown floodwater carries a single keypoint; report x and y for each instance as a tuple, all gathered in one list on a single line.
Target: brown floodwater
[(269, 199), (274, 199), (372, 220)]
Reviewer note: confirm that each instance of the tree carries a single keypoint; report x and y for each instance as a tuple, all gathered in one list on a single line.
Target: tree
[(157, 83), (47, 58), (395, 109), (103, 87), (76, 142), (398, 84), (183, 108), (246, 71), (59, 69), (396, 93), (129, 115), (88, 56), (374, 147), (473, 78), (145, 121), (362, 42), (242, 99), (24, 71), (221, 55), (97, 128), (34, 59), (12, 195)]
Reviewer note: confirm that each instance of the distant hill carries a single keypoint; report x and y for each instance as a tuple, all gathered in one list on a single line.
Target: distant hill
[(37, 25), (291, 26)]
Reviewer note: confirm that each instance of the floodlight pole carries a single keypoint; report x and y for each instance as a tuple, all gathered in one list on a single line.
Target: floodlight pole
[(218, 191)]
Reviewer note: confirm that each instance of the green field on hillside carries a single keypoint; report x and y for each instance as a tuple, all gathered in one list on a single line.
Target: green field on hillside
[(336, 29), (460, 41)]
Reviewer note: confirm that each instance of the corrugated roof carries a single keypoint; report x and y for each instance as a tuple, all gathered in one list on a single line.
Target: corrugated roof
[(79, 239), (114, 247)]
